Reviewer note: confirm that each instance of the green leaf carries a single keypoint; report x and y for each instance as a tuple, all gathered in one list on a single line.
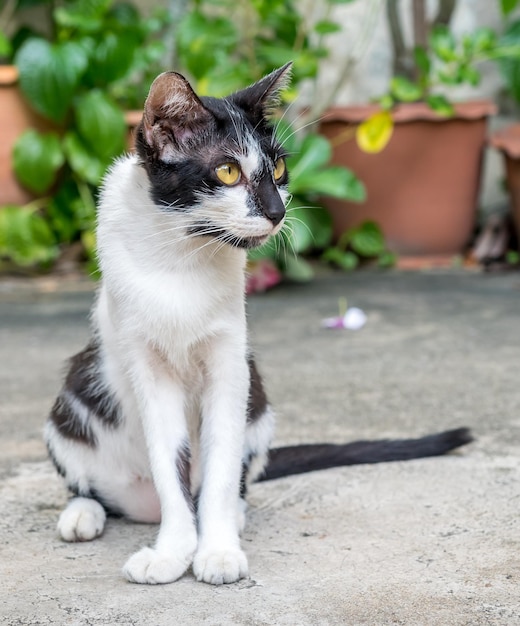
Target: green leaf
[(5, 46), (470, 75), (508, 6), (326, 27), (404, 90), (387, 259), (315, 152), (367, 240), (83, 15), (484, 40), (50, 75), (25, 236), (113, 57), (510, 68), (81, 160), (36, 160), (297, 269), (422, 60), (336, 181), (440, 105), (101, 125), (443, 43), (345, 260)]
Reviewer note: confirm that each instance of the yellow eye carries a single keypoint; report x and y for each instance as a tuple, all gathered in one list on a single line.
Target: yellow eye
[(228, 173), (279, 168)]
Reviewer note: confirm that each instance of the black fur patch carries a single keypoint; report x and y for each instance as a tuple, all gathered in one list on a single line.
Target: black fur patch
[(84, 384), (257, 401), (183, 470)]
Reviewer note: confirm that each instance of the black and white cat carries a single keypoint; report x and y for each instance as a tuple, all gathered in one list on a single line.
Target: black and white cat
[(162, 417)]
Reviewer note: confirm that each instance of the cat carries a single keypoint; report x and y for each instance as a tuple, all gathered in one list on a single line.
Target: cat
[(163, 417)]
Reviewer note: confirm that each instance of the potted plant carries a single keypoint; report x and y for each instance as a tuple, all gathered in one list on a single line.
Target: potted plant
[(422, 187), (77, 82), (507, 140), (219, 51), (16, 114)]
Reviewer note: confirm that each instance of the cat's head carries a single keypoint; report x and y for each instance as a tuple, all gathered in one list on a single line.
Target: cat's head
[(213, 162)]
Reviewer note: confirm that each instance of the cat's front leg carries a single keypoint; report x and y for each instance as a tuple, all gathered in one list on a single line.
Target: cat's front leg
[(219, 558), (161, 401)]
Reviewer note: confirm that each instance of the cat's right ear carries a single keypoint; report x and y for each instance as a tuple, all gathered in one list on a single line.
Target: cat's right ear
[(173, 113), (261, 98)]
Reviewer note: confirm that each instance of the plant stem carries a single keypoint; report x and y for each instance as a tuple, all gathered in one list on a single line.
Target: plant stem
[(446, 8), (420, 23), (401, 58), (6, 14)]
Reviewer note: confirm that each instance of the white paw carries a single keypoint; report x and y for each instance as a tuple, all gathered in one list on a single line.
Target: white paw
[(151, 567), (82, 520), (220, 566)]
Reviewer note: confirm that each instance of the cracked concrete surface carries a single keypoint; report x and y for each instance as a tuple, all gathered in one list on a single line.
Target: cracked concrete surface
[(431, 542)]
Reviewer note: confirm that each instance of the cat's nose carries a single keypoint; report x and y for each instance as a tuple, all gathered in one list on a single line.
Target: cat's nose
[(275, 211), (270, 202)]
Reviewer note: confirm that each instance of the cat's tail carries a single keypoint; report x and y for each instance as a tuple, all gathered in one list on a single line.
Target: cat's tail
[(291, 460)]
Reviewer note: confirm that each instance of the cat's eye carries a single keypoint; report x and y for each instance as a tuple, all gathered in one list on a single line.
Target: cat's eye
[(228, 173), (279, 169)]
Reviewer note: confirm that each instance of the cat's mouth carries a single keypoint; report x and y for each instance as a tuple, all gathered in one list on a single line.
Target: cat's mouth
[(225, 236)]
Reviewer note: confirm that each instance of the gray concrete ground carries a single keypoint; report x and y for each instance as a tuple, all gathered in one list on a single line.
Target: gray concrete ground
[(433, 541)]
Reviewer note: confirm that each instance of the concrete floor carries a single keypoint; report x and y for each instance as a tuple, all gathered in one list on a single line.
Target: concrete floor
[(434, 541)]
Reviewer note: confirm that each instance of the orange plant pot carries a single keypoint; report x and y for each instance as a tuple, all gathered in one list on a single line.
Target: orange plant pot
[(422, 188), (15, 117), (507, 141)]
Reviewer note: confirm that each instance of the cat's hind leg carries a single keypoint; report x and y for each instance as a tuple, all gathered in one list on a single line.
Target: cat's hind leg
[(83, 519)]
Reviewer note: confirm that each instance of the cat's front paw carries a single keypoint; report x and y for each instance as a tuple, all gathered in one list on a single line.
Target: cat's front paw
[(152, 567), (82, 520), (220, 566)]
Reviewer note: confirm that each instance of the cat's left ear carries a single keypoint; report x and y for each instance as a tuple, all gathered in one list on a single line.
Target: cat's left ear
[(173, 113), (263, 96)]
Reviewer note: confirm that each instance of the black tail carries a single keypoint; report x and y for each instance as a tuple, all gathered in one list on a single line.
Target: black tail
[(307, 458)]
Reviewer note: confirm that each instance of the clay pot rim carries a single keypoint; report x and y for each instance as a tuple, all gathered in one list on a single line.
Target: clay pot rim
[(133, 117), (507, 140), (412, 112), (8, 75)]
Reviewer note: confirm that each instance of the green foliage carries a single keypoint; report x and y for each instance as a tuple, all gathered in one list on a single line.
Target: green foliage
[(25, 236), (507, 6), (77, 82), (360, 244), (510, 68), (449, 61), (104, 55)]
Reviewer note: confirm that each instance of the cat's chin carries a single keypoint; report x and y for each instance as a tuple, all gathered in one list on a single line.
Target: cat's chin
[(248, 243)]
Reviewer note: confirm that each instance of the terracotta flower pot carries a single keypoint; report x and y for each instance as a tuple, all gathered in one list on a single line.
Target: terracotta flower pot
[(132, 119), (15, 117), (422, 188), (507, 141)]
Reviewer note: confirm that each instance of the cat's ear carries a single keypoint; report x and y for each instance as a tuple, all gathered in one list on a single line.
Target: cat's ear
[(263, 96), (173, 113)]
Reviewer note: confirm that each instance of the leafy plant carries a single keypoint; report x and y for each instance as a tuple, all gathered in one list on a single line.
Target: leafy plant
[(75, 81), (362, 243), (509, 67), (79, 79), (436, 62)]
